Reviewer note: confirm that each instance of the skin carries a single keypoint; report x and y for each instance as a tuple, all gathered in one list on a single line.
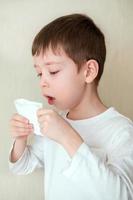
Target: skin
[(73, 91)]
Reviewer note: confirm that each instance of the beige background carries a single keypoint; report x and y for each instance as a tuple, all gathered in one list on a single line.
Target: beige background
[(19, 22)]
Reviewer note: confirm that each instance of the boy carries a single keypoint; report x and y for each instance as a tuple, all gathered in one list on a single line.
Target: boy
[(87, 154)]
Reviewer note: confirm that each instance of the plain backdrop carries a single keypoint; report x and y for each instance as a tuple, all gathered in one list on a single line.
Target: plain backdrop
[(19, 23)]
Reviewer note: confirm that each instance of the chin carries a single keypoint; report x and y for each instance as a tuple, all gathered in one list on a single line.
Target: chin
[(64, 106), (61, 107)]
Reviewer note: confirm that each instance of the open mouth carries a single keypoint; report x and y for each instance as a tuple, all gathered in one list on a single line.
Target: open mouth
[(50, 99)]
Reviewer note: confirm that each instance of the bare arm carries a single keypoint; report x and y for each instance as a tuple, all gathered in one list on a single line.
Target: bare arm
[(20, 129), (18, 149)]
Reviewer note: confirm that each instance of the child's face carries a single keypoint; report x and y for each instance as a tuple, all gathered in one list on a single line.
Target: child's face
[(59, 79)]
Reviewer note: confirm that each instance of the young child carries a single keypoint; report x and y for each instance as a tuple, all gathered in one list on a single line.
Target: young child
[(87, 154)]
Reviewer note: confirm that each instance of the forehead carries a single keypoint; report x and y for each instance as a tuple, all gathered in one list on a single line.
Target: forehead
[(50, 57)]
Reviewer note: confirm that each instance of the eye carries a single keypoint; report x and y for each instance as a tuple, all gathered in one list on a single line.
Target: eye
[(52, 73)]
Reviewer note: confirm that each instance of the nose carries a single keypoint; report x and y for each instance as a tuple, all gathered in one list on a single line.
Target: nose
[(43, 81)]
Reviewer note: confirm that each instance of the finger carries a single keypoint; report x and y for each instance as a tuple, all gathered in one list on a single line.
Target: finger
[(17, 133), (21, 129), (44, 127), (43, 118), (21, 124), (18, 117), (43, 111)]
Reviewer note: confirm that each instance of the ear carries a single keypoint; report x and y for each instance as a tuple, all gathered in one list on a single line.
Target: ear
[(91, 70)]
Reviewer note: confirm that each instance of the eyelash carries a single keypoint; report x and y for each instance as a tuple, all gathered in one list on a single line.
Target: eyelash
[(52, 73)]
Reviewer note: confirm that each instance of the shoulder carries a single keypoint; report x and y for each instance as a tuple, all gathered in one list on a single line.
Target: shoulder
[(117, 121), (121, 131), (123, 123)]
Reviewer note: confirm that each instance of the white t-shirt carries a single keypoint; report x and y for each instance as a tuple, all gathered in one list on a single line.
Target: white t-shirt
[(101, 169)]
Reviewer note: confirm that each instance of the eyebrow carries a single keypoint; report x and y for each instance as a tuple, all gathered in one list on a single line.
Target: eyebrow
[(49, 63)]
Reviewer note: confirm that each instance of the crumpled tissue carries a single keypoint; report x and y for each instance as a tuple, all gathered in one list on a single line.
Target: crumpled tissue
[(28, 109)]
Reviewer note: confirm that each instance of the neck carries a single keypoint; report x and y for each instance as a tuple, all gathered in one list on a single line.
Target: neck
[(90, 105)]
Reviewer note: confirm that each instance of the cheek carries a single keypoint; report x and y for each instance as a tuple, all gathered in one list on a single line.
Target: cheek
[(69, 93), (70, 89), (67, 79), (68, 83), (62, 82), (64, 85)]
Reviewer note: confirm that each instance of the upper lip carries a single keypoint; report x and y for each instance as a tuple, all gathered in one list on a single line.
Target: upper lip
[(47, 96)]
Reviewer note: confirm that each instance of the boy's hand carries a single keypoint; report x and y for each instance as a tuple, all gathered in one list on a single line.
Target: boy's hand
[(52, 124), (20, 126), (55, 127)]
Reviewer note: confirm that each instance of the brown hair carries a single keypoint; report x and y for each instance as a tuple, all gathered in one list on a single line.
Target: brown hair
[(79, 37)]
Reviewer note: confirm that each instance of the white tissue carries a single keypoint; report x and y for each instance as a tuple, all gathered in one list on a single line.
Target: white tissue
[(28, 109)]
